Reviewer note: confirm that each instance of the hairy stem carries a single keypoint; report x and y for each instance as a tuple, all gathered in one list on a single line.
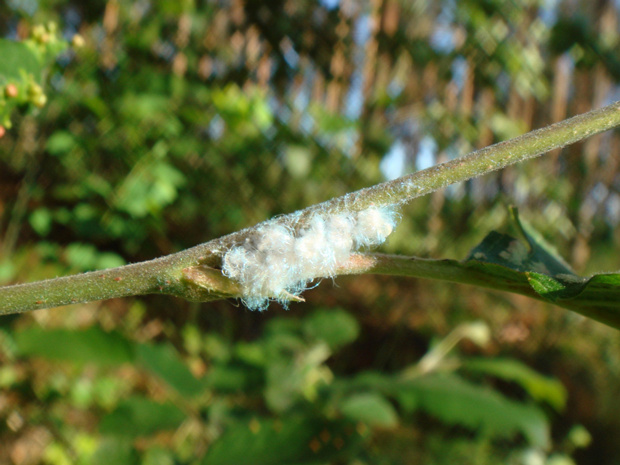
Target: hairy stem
[(117, 282), (165, 275), (193, 273)]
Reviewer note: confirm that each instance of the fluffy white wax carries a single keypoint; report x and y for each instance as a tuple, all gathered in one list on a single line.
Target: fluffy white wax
[(279, 262)]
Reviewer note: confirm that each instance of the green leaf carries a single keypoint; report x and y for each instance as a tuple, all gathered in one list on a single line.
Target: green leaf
[(148, 190), (81, 256), (539, 387), (532, 255), (335, 327), (529, 267), (86, 257), (229, 378), (92, 345), (118, 451), (558, 287), (291, 441), (458, 402), (551, 279), (370, 408), (541, 250), (138, 416), (7, 270), (60, 142), (41, 221), (291, 376), (163, 361), (298, 161), (158, 456), (18, 60)]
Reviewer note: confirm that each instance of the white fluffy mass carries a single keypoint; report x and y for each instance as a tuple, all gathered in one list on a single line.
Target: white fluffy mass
[(279, 263)]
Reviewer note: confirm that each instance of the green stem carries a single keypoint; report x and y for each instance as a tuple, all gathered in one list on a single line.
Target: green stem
[(189, 274), (117, 282), (165, 275)]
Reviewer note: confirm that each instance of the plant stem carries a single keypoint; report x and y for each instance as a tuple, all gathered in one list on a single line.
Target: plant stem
[(117, 282), (164, 275), (190, 273)]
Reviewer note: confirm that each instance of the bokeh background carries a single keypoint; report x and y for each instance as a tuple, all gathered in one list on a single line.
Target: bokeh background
[(178, 122)]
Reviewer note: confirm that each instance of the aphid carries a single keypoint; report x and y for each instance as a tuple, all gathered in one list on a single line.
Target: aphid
[(278, 264)]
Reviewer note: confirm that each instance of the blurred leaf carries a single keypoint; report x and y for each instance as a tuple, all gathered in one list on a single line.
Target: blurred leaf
[(539, 387), (18, 59), (145, 107), (139, 416), (86, 257), (92, 345), (370, 408), (41, 221), (282, 326), (107, 390), (158, 456), (230, 378), (298, 161), (216, 347), (458, 402), (328, 121), (336, 327), (192, 339), (252, 353), (579, 436), (164, 361), (293, 441), (8, 376), (148, 190), (108, 260), (296, 375), (81, 256), (60, 143), (7, 270), (22, 67)]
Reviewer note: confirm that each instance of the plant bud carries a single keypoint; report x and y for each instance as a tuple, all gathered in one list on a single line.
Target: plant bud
[(10, 91), (40, 100), (77, 41), (2, 132), (38, 32), (34, 91)]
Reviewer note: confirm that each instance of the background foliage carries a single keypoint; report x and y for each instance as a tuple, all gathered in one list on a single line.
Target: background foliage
[(178, 122)]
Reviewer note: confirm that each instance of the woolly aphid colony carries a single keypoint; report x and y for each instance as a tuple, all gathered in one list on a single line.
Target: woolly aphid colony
[(277, 262)]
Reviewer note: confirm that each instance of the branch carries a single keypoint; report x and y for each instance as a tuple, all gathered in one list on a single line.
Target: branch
[(194, 273)]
